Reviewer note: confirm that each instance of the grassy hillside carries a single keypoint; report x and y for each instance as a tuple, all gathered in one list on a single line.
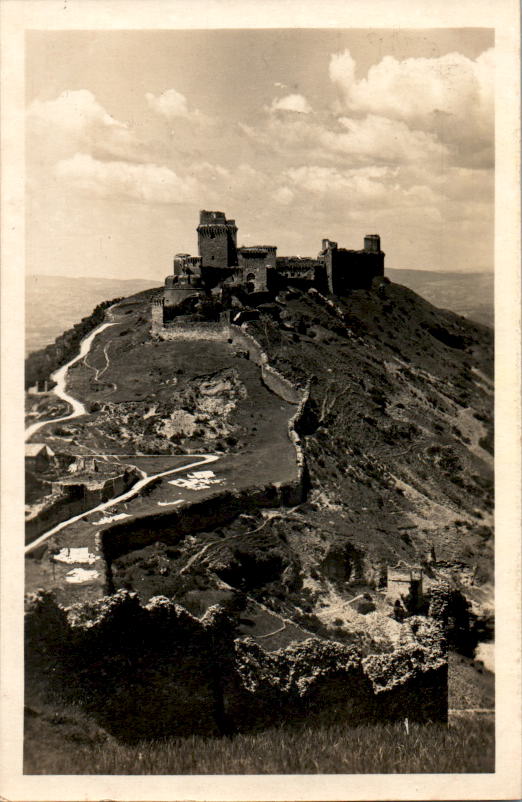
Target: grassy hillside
[(398, 438), (76, 746)]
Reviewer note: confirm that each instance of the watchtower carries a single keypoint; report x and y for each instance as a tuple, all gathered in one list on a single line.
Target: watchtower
[(372, 243), (217, 240)]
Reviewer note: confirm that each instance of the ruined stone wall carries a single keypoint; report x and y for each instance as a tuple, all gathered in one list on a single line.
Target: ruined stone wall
[(293, 434), (157, 317), (274, 380), (75, 499), (116, 657)]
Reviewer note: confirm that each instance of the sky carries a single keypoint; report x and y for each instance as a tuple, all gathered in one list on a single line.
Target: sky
[(298, 134)]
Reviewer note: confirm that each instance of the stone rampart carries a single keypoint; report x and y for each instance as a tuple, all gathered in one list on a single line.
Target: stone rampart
[(116, 658), (218, 509), (271, 377)]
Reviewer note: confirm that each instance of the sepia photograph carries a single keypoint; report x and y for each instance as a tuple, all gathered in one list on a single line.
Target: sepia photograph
[(259, 390)]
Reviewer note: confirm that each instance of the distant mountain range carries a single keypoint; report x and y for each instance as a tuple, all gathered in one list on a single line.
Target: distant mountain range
[(55, 303)]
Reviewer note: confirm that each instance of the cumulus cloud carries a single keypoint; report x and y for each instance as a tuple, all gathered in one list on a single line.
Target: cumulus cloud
[(416, 87), (173, 105), (382, 139), (450, 96), (74, 110), (295, 103), (375, 185), (75, 119), (146, 183), (329, 138), (170, 104)]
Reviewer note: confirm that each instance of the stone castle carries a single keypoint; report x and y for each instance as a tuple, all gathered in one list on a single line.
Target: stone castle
[(224, 276)]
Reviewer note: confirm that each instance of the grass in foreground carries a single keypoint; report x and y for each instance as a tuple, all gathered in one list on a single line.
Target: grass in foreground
[(62, 745)]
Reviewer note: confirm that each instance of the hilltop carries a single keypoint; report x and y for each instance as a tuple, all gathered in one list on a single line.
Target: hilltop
[(397, 437), (183, 483)]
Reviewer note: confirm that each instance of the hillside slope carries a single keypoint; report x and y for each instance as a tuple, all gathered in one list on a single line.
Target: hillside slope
[(398, 441), (391, 408), (401, 437), (467, 294)]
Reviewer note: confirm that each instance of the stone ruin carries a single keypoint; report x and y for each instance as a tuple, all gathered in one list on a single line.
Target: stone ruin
[(155, 670)]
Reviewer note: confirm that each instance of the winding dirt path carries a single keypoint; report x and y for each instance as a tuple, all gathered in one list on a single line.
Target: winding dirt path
[(78, 409), (60, 377), (202, 459)]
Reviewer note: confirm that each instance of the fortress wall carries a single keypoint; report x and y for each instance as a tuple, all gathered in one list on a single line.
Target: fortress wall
[(195, 331), (313, 681), (217, 510), (271, 377), (75, 499)]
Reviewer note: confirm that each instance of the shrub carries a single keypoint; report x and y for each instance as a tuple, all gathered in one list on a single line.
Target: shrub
[(364, 606)]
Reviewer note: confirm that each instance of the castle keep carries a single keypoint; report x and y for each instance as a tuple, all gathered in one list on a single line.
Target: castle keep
[(224, 276)]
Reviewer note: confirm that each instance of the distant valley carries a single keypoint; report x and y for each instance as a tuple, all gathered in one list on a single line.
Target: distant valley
[(55, 303), (467, 294)]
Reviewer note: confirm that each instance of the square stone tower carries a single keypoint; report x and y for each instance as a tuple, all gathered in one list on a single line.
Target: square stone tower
[(217, 240)]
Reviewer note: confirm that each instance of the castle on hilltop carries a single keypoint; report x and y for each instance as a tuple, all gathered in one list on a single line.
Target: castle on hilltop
[(224, 276)]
